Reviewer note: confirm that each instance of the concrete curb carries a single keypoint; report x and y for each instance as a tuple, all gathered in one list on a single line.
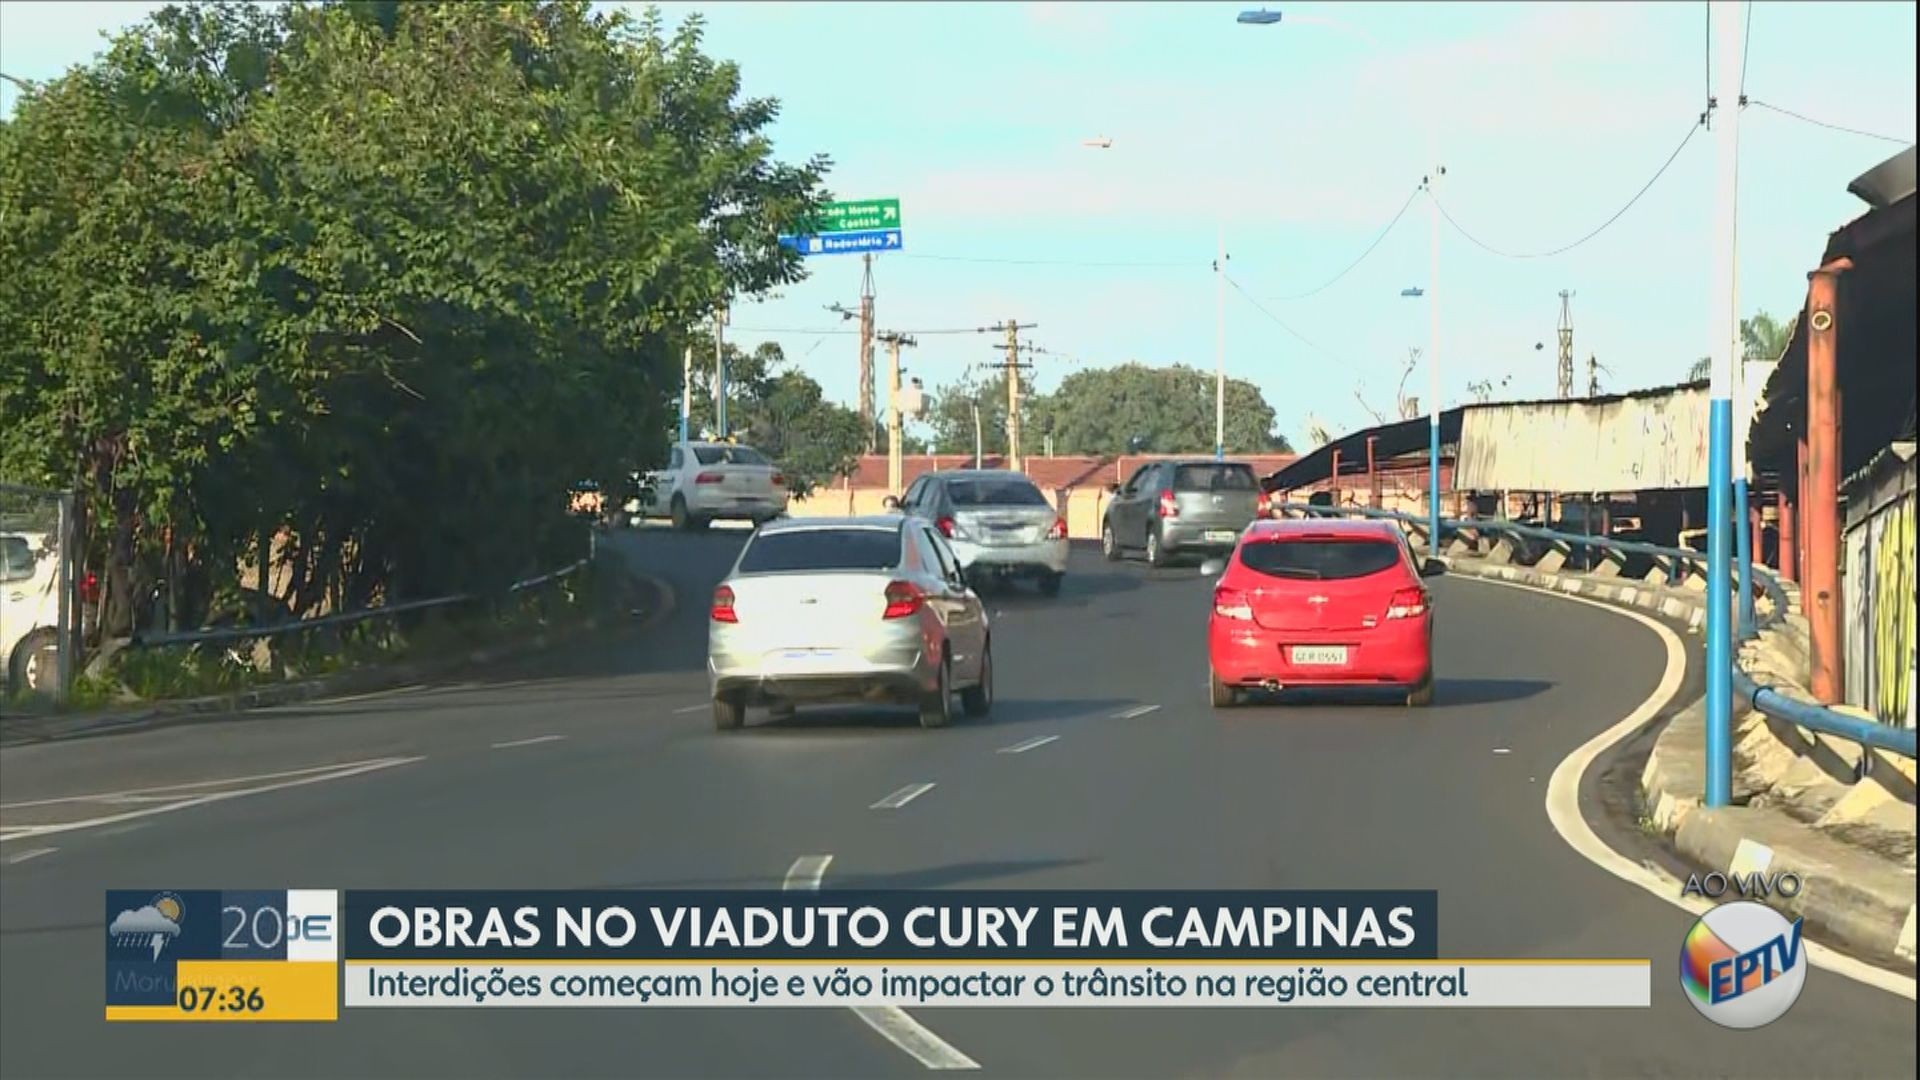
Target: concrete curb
[(1850, 895), (70, 726)]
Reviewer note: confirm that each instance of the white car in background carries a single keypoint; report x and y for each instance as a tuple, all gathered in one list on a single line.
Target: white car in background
[(708, 481), (29, 610)]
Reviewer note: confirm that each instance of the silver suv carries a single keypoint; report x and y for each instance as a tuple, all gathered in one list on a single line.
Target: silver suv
[(1169, 508)]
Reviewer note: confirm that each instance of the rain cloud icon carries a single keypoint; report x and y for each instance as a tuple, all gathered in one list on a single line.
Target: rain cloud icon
[(129, 927)]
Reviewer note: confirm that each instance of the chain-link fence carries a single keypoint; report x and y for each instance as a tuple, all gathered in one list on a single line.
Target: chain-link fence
[(40, 609)]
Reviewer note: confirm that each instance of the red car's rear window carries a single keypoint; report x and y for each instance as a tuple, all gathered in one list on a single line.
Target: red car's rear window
[(1320, 560)]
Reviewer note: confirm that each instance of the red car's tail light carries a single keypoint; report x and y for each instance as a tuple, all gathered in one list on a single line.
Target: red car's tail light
[(1059, 530), (1168, 508), (1231, 603), (903, 600), (723, 605), (1407, 604)]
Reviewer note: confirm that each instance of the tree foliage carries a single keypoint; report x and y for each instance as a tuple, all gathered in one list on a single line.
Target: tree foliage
[(1107, 411), (1762, 337), (388, 277)]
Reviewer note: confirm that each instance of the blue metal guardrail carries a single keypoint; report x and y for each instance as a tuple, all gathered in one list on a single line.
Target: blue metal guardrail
[(1763, 699)]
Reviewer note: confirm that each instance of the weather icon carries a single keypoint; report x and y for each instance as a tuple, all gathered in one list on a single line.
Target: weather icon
[(152, 925)]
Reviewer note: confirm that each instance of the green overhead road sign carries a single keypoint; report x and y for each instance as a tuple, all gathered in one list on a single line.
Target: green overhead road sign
[(858, 215)]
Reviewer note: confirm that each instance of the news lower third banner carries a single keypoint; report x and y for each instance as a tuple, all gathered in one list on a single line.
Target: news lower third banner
[(279, 955)]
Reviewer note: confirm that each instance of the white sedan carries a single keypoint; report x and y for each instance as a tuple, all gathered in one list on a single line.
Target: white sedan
[(848, 609), (707, 481)]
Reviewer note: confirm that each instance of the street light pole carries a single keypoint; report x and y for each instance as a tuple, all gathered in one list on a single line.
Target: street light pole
[(1722, 327), (1220, 343), (1433, 359)]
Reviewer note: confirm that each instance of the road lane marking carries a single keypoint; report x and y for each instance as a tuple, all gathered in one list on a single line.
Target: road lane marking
[(903, 1031), (1563, 806), (1139, 710), (537, 739), (1034, 743), (692, 708), (135, 793), (805, 873), (902, 797), (376, 765), (890, 1021), (30, 853)]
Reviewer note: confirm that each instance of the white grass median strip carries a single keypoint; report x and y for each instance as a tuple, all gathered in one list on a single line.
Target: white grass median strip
[(902, 797), (1563, 806), (1025, 745), (534, 741), (891, 1022), (1138, 710)]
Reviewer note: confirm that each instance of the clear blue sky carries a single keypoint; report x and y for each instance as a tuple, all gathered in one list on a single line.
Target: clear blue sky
[(1299, 140)]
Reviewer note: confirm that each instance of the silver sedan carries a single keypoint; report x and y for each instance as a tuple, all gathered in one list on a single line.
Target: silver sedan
[(848, 609)]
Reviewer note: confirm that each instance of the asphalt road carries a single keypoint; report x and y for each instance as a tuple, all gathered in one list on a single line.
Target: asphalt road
[(627, 786)]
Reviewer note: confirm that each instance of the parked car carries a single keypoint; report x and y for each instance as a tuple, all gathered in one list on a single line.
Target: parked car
[(29, 610), (996, 522), (706, 481), (848, 609), (1321, 603), (1170, 508)]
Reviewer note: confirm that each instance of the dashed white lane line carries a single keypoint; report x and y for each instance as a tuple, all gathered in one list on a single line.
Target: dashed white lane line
[(1138, 710), (902, 797), (890, 1022), (903, 1031), (684, 710), (805, 873), (1563, 806), (1025, 745), (30, 853), (534, 741), (338, 773)]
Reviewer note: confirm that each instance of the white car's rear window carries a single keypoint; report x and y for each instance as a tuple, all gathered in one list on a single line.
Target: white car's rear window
[(821, 549)]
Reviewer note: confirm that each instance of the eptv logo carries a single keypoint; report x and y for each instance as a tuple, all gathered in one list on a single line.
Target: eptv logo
[(1742, 964)]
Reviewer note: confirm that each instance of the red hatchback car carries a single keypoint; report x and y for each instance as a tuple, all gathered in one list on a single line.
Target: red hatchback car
[(1321, 603)]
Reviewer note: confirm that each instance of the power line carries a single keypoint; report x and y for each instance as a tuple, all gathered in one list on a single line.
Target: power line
[(1824, 124), (1382, 235), (1617, 214), (1746, 53), (819, 330), (1282, 323)]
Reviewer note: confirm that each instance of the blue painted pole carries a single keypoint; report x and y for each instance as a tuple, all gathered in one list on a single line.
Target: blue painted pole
[(1719, 609), (1433, 486), (1743, 554)]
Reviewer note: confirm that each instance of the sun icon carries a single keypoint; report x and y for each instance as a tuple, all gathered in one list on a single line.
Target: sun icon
[(168, 905)]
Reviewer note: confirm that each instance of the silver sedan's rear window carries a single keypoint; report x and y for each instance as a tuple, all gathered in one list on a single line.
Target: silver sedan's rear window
[(995, 493), (822, 549)]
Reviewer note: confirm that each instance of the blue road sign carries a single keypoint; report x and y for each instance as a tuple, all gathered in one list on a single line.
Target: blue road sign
[(847, 243)]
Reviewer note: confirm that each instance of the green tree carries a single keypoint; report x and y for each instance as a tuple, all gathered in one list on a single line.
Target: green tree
[(950, 414), (1170, 409), (1762, 337), (396, 305)]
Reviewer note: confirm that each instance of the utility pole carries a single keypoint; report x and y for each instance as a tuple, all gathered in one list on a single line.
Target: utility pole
[(895, 467), (1565, 384), (720, 373), (1012, 328), (686, 391), (1220, 344), (1593, 376), (1433, 350), (866, 345)]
